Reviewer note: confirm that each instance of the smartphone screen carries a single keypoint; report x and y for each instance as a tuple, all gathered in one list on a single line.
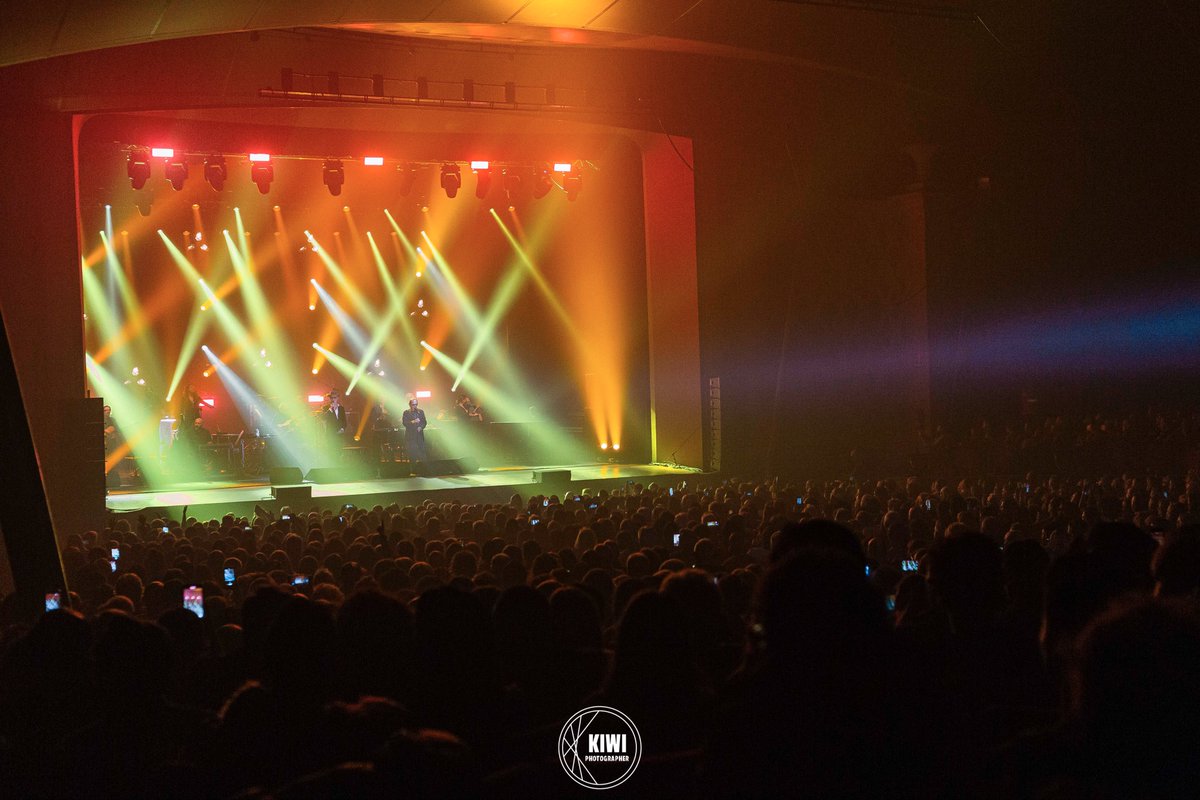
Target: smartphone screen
[(891, 602), (112, 563), (675, 540), (929, 505), (908, 565), (193, 600), (116, 553), (535, 521), (166, 529), (300, 580), (546, 502), (799, 501), (593, 506), (671, 491), (712, 523), (230, 576), (53, 601)]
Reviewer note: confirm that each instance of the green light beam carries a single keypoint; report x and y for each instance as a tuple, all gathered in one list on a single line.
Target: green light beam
[(499, 405), (364, 309), (506, 293)]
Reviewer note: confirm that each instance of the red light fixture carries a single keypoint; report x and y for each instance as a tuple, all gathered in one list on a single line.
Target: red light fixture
[(177, 172), (541, 182), (215, 172), (451, 179), (138, 167), (334, 176), (262, 172)]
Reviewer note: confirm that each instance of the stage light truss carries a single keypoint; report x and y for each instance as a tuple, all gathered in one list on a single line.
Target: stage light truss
[(542, 175), (469, 94)]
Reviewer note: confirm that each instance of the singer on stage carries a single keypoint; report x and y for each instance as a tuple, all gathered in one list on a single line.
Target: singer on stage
[(414, 424)]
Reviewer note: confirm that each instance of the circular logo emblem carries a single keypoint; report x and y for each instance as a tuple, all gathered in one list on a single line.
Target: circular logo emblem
[(599, 747)]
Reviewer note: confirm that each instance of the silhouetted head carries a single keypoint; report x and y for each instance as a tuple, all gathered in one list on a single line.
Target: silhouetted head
[(818, 533), (966, 571)]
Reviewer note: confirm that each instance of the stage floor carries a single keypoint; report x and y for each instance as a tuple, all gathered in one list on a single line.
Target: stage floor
[(207, 499)]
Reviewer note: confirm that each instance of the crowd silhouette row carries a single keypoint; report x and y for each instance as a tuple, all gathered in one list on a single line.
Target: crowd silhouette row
[(1033, 637)]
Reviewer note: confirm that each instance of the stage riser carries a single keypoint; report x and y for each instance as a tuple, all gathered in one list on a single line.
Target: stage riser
[(521, 483)]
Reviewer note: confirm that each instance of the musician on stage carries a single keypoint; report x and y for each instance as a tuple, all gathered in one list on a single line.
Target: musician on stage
[(190, 407), (378, 430), (414, 424), (469, 411), (333, 414), (111, 437)]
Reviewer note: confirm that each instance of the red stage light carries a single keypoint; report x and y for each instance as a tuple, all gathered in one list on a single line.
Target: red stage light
[(162, 152), (215, 172), (477, 165), (562, 167), (541, 182), (260, 157), (373, 161), (451, 179), (138, 167), (262, 174), (177, 173), (334, 176), (423, 394)]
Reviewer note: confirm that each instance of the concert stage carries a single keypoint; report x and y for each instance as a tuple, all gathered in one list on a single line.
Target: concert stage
[(209, 499)]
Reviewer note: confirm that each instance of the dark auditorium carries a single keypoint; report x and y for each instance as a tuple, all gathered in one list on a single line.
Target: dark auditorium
[(523, 399)]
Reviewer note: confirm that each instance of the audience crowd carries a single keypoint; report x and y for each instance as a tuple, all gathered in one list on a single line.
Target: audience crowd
[(1034, 637)]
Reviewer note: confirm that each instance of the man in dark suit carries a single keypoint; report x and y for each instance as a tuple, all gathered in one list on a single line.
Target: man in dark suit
[(414, 424), (335, 420)]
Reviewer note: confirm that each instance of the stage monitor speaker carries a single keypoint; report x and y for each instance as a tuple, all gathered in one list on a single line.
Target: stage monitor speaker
[(555, 477), (446, 466), (395, 469), (342, 474), (285, 475), (292, 495)]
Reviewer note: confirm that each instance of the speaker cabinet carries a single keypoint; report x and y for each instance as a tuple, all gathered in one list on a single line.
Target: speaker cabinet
[(285, 475), (292, 495), (555, 477)]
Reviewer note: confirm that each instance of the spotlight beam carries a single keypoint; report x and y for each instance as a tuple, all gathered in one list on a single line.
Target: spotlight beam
[(346, 324), (357, 299), (138, 427), (245, 398), (509, 408), (506, 293), (197, 325)]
